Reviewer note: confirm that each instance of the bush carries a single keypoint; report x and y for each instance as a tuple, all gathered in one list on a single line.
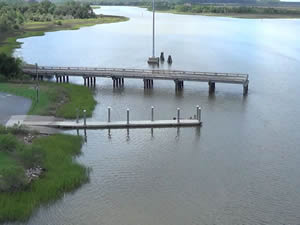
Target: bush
[(59, 23), (10, 67), (25, 77)]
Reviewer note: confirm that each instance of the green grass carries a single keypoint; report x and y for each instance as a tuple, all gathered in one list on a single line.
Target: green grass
[(8, 41), (6, 161), (95, 6), (62, 174), (60, 100)]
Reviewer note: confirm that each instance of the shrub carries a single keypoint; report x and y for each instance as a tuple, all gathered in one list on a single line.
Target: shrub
[(59, 23)]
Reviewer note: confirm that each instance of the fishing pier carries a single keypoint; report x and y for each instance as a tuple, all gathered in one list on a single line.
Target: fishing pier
[(118, 75)]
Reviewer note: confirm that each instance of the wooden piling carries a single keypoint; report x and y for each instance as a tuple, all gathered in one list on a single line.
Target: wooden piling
[(178, 115), (212, 86), (127, 116)]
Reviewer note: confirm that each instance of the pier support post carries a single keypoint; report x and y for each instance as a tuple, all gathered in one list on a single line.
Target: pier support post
[(77, 115), (199, 114), (127, 116), (84, 118), (148, 83), (84, 81), (178, 115), (245, 88), (114, 82), (56, 78), (64, 79), (67, 79), (178, 85), (88, 81), (152, 113), (108, 114), (212, 86), (94, 81)]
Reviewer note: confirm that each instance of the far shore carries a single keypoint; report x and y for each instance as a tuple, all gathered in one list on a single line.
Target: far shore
[(239, 15), (235, 15)]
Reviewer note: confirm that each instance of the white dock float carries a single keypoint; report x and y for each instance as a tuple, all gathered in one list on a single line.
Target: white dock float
[(115, 125), (52, 122)]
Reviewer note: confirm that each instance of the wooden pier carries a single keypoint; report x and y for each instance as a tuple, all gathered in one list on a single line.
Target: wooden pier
[(89, 75)]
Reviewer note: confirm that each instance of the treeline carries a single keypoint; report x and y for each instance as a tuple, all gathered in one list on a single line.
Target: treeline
[(234, 9), (15, 13), (222, 9)]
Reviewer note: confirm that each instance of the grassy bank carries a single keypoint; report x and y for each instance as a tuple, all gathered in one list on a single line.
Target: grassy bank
[(8, 41), (62, 174), (60, 100)]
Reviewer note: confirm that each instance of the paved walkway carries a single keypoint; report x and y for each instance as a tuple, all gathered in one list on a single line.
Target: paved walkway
[(12, 105)]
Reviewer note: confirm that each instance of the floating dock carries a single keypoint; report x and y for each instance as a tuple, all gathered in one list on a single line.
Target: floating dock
[(52, 122), (107, 125)]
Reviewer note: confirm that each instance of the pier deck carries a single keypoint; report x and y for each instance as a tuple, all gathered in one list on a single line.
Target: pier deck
[(89, 74)]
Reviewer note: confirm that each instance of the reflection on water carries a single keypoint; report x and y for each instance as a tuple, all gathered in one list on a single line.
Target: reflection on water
[(240, 167), (110, 135)]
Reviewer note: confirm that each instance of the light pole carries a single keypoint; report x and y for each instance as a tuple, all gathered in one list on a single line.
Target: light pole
[(153, 27), (37, 83), (153, 59)]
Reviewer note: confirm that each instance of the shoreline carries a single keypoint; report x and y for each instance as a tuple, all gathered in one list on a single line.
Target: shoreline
[(232, 15), (59, 100), (56, 151), (8, 41), (237, 15)]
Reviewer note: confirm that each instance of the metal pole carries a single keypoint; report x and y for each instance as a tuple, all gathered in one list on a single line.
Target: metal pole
[(77, 115), (199, 118), (127, 116), (84, 118), (153, 39), (152, 113), (108, 116), (37, 82), (197, 111), (178, 115)]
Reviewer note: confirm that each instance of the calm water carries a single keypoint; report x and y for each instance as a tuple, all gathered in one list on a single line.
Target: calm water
[(241, 167)]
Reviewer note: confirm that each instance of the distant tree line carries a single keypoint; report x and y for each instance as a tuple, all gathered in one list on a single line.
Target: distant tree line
[(222, 8), (14, 13), (235, 9)]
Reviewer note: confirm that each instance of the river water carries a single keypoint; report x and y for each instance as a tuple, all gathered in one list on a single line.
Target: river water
[(241, 167)]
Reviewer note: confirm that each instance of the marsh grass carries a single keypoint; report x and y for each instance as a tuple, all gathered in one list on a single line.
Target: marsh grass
[(63, 174), (60, 100)]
